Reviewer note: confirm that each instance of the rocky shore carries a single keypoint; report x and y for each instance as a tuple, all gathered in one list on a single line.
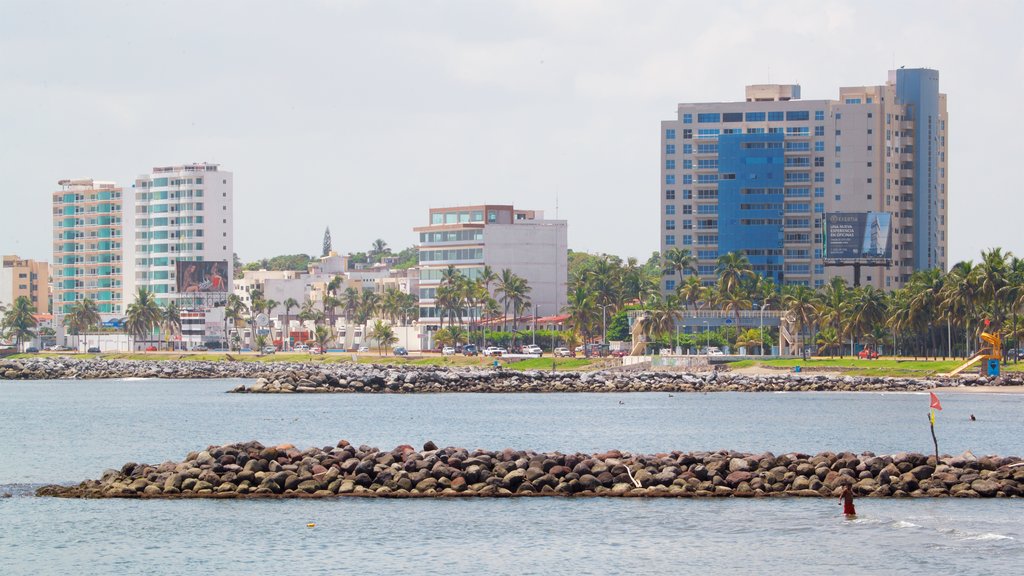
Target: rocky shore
[(288, 377), (253, 470)]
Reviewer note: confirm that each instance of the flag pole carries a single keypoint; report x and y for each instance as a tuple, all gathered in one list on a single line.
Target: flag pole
[(931, 421)]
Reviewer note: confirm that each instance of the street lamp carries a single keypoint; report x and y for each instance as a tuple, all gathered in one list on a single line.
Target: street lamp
[(707, 349), (761, 344), (534, 324), (604, 323)]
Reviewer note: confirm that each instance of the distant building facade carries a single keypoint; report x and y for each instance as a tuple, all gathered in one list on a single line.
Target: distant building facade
[(499, 236), (29, 278), (758, 176), (178, 213), (87, 246)]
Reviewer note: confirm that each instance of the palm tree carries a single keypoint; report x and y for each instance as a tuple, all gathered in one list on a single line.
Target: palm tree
[(234, 312), (680, 261), (867, 310), (379, 248), (733, 269), (384, 335), (143, 315), (349, 301), (83, 316), (735, 301), (827, 340), (172, 319), (798, 303), (506, 287), (322, 335), (286, 335), (584, 315), (659, 319), (690, 292), (18, 321), (833, 306), (925, 299), (369, 305)]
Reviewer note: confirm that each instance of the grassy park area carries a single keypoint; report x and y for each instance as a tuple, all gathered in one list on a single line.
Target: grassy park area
[(858, 367)]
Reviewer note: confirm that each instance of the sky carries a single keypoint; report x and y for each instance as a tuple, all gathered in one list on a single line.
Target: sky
[(362, 115)]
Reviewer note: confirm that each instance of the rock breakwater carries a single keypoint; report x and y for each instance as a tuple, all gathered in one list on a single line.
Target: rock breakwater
[(254, 470), (290, 377)]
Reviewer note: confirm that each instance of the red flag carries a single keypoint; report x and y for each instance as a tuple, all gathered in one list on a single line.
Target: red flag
[(935, 402)]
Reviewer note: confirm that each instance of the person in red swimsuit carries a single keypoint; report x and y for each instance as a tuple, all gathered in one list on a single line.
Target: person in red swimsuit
[(846, 499)]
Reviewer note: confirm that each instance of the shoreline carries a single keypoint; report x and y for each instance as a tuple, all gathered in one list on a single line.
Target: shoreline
[(290, 377), (252, 470)]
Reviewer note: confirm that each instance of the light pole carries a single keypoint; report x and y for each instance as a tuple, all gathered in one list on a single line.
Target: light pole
[(707, 349), (534, 324), (604, 324), (761, 343)]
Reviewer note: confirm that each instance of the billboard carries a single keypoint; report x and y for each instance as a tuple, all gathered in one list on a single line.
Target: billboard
[(858, 236), (207, 276)]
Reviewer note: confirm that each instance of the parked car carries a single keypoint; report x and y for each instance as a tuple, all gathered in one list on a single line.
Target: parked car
[(199, 348), (868, 354), (619, 353), (562, 352), (314, 350), (300, 348), (470, 350), (60, 348), (31, 350), (93, 350), (150, 348), (268, 349), (364, 349), (713, 351), (533, 349), (494, 351), (400, 351), (448, 351)]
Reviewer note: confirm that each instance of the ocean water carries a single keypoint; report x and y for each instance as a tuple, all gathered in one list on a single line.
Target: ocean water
[(66, 431)]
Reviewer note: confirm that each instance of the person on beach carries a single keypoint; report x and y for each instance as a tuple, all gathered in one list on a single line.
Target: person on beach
[(846, 499)]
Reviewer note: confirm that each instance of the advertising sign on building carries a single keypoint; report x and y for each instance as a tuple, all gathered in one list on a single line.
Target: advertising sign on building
[(206, 276), (858, 236)]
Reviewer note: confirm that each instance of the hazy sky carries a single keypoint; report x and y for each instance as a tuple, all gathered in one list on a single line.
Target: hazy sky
[(362, 115)]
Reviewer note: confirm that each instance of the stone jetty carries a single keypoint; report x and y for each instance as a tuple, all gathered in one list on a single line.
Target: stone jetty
[(347, 377), (253, 470)]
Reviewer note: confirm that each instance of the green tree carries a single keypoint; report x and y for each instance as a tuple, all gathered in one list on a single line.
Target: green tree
[(143, 315), (680, 261), (384, 335), (19, 321), (84, 316)]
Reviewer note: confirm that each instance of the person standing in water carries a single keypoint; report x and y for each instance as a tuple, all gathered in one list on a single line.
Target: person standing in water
[(846, 499)]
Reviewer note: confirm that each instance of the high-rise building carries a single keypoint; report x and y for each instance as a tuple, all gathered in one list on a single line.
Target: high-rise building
[(759, 176), (178, 214), (499, 236), (87, 238), (29, 278)]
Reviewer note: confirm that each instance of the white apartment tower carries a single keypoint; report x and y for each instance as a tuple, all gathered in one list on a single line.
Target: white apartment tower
[(177, 213)]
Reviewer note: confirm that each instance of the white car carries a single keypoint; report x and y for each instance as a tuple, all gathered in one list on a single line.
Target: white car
[(364, 349), (532, 349), (563, 352), (494, 351), (448, 351), (301, 348), (713, 351)]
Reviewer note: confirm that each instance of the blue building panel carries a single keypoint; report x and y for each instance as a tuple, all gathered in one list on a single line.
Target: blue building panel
[(918, 88), (751, 182)]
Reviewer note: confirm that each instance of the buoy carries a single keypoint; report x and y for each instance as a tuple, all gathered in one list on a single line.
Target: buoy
[(310, 525)]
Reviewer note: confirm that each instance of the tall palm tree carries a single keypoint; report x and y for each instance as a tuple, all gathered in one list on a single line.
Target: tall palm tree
[(19, 321), (288, 304), (143, 315), (584, 315), (833, 304), (384, 335), (798, 303), (506, 288), (690, 292), (734, 301), (867, 310), (925, 300), (83, 316), (733, 269), (172, 319), (680, 261)]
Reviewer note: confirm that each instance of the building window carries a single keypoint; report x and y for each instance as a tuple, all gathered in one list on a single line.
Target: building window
[(670, 209), (709, 118), (797, 115), (670, 285), (687, 148), (819, 207), (755, 116), (670, 164), (687, 118), (670, 134), (687, 240), (819, 130), (670, 239), (687, 194), (819, 161), (670, 194), (670, 149), (819, 146), (687, 133), (670, 179), (775, 116), (819, 115), (670, 224)]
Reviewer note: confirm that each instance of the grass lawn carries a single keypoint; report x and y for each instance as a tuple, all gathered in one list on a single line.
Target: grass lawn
[(880, 367)]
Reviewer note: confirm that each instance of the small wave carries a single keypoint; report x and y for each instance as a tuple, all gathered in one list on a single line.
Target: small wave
[(988, 536), (135, 379), (905, 524)]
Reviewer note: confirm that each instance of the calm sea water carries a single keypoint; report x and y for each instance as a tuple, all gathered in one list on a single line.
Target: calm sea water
[(64, 431)]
